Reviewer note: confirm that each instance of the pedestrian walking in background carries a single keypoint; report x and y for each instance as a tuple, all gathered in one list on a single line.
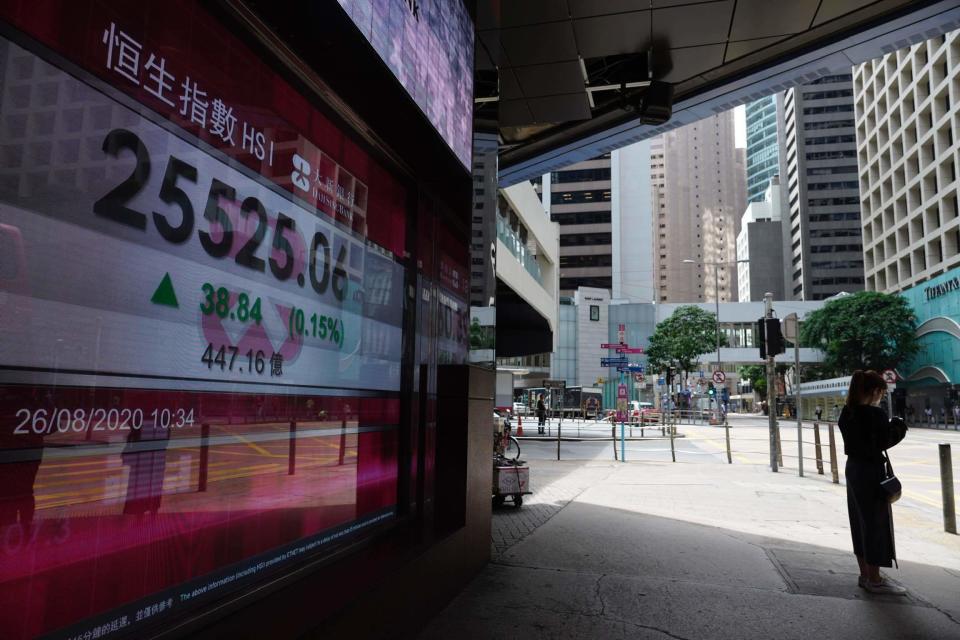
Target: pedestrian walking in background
[(943, 416), (956, 414), (929, 413), (819, 412), (541, 415), (867, 434)]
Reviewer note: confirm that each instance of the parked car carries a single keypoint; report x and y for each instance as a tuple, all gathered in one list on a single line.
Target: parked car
[(519, 409)]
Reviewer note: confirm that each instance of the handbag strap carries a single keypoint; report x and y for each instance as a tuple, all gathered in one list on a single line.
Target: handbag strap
[(886, 458)]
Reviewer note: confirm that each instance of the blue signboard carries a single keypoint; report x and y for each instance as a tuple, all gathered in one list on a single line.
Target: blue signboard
[(613, 362)]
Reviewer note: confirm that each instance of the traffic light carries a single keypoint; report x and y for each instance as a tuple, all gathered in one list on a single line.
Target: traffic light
[(770, 337), (712, 391)]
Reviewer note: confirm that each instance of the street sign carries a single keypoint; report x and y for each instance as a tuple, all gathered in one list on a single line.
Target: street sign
[(638, 377), (622, 391), (554, 384), (719, 377), (626, 349), (612, 345), (661, 381), (613, 362), (635, 368), (890, 376), (791, 329), (622, 333)]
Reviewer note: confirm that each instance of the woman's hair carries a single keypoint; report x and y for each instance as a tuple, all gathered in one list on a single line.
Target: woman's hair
[(863, 386)]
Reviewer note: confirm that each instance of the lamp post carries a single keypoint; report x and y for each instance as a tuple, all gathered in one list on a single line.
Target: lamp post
[(716, 295)]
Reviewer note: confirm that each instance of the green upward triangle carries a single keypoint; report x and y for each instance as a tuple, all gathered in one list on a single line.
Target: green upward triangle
[(164, 294)]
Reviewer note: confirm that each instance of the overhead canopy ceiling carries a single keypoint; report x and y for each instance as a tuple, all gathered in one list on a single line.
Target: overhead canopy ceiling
[(554, 58)]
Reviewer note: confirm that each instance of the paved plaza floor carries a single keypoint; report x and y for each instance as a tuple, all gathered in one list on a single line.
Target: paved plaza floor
[(702, 549)]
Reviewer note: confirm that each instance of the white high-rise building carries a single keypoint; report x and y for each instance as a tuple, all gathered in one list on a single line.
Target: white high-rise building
[(907, 120), (632, 223)]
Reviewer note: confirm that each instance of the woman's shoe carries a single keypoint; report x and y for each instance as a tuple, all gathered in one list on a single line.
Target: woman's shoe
[(884, 587)]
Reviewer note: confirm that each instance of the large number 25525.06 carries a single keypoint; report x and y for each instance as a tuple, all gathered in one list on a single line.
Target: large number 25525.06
[(113, 206)]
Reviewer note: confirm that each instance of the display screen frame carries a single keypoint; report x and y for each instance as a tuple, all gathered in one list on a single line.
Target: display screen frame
[(295, 548)]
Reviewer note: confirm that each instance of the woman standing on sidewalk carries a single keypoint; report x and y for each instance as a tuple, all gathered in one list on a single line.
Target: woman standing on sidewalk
[(867, 434)]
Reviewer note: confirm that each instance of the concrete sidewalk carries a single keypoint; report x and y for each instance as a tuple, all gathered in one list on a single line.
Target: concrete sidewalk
[(660, 550)]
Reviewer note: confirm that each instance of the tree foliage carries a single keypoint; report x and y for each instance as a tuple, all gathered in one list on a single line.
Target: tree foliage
[(682, 338), (866, 330), (757, 375)]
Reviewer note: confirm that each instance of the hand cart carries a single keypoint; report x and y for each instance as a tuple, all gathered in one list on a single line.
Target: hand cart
[(511, 475)]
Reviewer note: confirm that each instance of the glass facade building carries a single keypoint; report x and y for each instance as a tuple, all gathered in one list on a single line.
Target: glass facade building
[(763, 157)]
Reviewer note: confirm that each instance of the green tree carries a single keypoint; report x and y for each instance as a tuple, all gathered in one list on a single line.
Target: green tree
[(682, 338), (865, 330), (757, 375)]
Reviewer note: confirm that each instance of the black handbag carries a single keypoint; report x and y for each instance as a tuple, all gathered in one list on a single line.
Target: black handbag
[(890, 484)]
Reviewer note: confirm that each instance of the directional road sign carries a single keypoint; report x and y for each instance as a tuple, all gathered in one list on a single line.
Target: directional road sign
[(613, 362), (613, 345), (626, 349)]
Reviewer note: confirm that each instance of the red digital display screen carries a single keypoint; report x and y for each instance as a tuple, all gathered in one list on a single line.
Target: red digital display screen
[(201, 311)]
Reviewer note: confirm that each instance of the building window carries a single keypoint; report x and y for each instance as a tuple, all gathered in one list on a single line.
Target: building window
[(594, 313)]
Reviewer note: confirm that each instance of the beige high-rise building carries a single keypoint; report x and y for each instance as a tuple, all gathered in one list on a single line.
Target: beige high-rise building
[(699, 194), (907, 125)]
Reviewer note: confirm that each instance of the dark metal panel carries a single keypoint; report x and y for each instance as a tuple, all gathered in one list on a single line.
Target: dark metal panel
[(514, 112), (516, 13), (539, 44), (693, 25), (691, 61), (743, 47), (584, 8), (509, 86), (550, 79), (563, 108), (836, 8), (613, 34), (762, 18)]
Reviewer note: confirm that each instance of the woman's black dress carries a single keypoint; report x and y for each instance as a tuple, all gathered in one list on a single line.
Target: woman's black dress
[(866, 434)]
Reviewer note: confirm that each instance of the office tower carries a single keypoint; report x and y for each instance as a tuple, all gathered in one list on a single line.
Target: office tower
[(483, 283), (907, 123), (632, 224), (580, 201), (699, 194), (826, 255), (763, 158), (760, 247)]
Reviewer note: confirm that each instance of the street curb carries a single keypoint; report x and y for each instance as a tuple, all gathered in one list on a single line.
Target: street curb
[(601, 439)]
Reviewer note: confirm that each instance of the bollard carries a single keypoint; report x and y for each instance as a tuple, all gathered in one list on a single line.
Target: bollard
[(946, 487), (204, 456), (292, 453), (613, 437), (673, 452), (779, 448), (559, 427), (833, 457), (816, 444), (726, 428), (623, 446)]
